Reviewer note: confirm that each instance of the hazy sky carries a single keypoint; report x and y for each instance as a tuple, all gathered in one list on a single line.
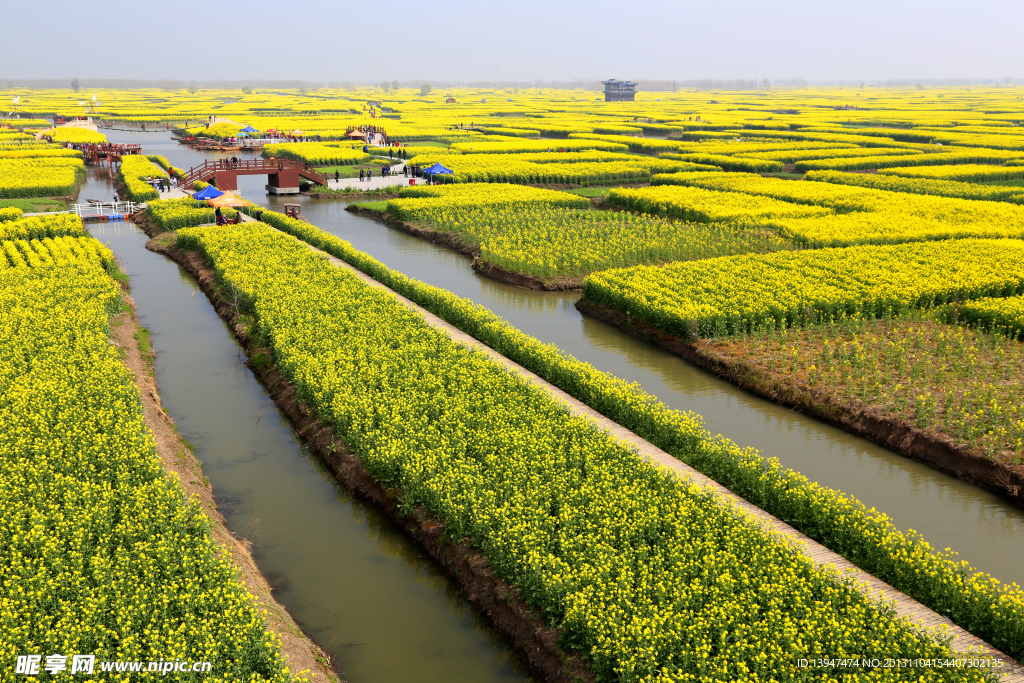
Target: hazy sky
[(524, 41)]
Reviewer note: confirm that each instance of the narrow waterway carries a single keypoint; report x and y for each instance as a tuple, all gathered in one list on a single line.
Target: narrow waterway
[(986, 530), (354, 583)]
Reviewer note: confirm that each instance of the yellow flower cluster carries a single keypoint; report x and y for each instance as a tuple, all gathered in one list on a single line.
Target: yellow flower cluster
[(696, 204), (10, 213), (50, 251), (38, 227), (418, 198), (972, 172), (643, 571), (76, 135), (1003, 315), (134, 169), (740, 294), (173, 214), (862, 215), (822, 155), (546, 167), (40, 176), (730, 163), (102, 554), (34, 151), (485, 146), (941, 188), (318, 153), (968, 156)]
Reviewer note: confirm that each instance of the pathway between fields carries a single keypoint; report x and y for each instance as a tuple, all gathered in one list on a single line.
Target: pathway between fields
[(906, 606)]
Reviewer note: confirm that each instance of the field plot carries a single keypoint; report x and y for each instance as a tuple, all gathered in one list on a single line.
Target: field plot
[(29, 175), (941, 188), (742, 294), (102, 554), (1002, 315), (555, 236), (855, 215), (976, 172), (134, 171), (950, 382)]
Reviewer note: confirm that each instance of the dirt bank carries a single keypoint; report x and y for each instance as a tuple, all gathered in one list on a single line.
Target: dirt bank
[(458, 244), (177, 457), (935, 450), (533, 640)]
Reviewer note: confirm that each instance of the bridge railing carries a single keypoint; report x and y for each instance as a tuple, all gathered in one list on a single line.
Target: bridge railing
[(93, 209), (249, 166)]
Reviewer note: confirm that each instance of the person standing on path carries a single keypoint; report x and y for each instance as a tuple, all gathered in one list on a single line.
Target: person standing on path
[(337, 176), (361, 174)]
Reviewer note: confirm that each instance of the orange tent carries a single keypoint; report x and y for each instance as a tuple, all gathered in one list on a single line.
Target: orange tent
[(227, 199)]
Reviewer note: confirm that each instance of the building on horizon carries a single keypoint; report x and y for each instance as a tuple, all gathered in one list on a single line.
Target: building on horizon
[(619, 91)]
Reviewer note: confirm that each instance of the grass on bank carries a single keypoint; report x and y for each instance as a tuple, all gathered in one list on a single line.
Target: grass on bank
[(34, 204), (948, 380)]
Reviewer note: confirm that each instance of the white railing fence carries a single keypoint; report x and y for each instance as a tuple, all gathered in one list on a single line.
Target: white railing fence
[(96, 209)]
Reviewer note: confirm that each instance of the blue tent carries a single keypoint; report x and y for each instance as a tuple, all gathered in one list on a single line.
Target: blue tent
[(210, 192), (436, 169), (249, 129)]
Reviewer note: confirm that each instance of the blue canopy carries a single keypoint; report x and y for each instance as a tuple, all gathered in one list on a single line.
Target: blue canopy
[(249, 129), (437, 169), (210, 192)]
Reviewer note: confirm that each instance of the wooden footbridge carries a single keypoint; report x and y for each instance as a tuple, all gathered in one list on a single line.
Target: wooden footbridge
[(283, 174), (109, 152)]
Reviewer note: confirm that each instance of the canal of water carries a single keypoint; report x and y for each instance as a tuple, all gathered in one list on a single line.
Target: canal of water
[(346, 574)]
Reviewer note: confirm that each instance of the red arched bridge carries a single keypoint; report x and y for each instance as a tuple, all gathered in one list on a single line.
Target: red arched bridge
[(282, 174)]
